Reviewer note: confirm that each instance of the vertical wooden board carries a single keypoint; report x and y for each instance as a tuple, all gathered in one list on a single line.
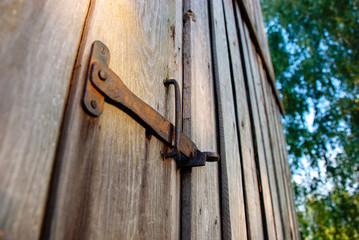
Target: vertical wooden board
[(269, 153), (200, 187), (255, 13), (233, 205), (253, 203), (250, 7), (260, 127), (254, 21), (261, 32), (277, 162), (39, 42), (110, 181), (290, 188), (287, 174), (254, 16)]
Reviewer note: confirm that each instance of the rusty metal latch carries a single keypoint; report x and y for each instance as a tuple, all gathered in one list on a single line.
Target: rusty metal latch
[(102, 84)]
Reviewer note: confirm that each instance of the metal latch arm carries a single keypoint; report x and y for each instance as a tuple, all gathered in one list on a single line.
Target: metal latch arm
[(103, 84)]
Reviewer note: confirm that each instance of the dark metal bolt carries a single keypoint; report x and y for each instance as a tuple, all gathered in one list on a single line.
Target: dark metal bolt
[(93, 104), (103, 75), (212, 156)]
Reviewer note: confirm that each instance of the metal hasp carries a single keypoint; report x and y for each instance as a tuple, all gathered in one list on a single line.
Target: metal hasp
[(102, 84)]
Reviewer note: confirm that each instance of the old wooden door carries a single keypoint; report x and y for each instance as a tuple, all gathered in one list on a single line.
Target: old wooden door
[(104, 177), (111, 180)]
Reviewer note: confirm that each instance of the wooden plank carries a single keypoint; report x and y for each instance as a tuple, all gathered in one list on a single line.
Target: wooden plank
[(39, 43), (287, 175), (290, 188), (228, 69), (269, 153), (251, 11), (260, 49), (254, 16), (249, 152), (260, 129), (200, 188), (253, 7), (261, 32), (277, 162), (110, 180)]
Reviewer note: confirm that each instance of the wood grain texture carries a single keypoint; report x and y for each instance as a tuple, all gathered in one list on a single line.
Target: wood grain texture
[(277, 126), (253, 204), (296, 234), (253, 7), (261, 32), (228, 72), (260, 127), (248, 20), (277, 163), (39, 43), (287, 176), (200, 186), (110, 181), (269, 153), (284, 174)]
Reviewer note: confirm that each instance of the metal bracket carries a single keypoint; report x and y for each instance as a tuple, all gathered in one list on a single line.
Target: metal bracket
[(102, 84)]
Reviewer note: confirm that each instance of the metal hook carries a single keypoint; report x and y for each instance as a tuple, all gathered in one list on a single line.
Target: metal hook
[(178, 122)]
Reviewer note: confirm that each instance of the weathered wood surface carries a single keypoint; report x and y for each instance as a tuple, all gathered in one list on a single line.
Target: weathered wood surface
[(269, 152), (38, 47), (247, 18), (110, 181), (259, 25), (253, 7), (228, 72), (274, 215), (277, 164), (287, 177), (200, 187), (296, 234), (284, 174), (257, 109), (253, 204), (286, 197)]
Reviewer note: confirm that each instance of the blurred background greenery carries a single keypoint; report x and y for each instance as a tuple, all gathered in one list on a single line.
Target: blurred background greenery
[(314, 46)]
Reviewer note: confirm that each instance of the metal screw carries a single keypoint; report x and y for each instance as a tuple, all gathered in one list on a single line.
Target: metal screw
[(102, 50), (93, 104), (102, 74)]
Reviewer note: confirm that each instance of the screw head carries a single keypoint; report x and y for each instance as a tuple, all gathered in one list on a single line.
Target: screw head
[(102, 74), (93, 104), (102, 49)]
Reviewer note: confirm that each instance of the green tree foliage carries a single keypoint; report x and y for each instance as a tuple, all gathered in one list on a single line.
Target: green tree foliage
[(315, 52), (330, 217)]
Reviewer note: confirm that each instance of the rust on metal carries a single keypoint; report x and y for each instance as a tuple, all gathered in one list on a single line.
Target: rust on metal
[(104, 85), (93, 101), (178, 116)]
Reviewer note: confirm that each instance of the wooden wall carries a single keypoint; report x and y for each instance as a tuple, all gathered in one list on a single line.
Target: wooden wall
[(66, 175), (255, 178)]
